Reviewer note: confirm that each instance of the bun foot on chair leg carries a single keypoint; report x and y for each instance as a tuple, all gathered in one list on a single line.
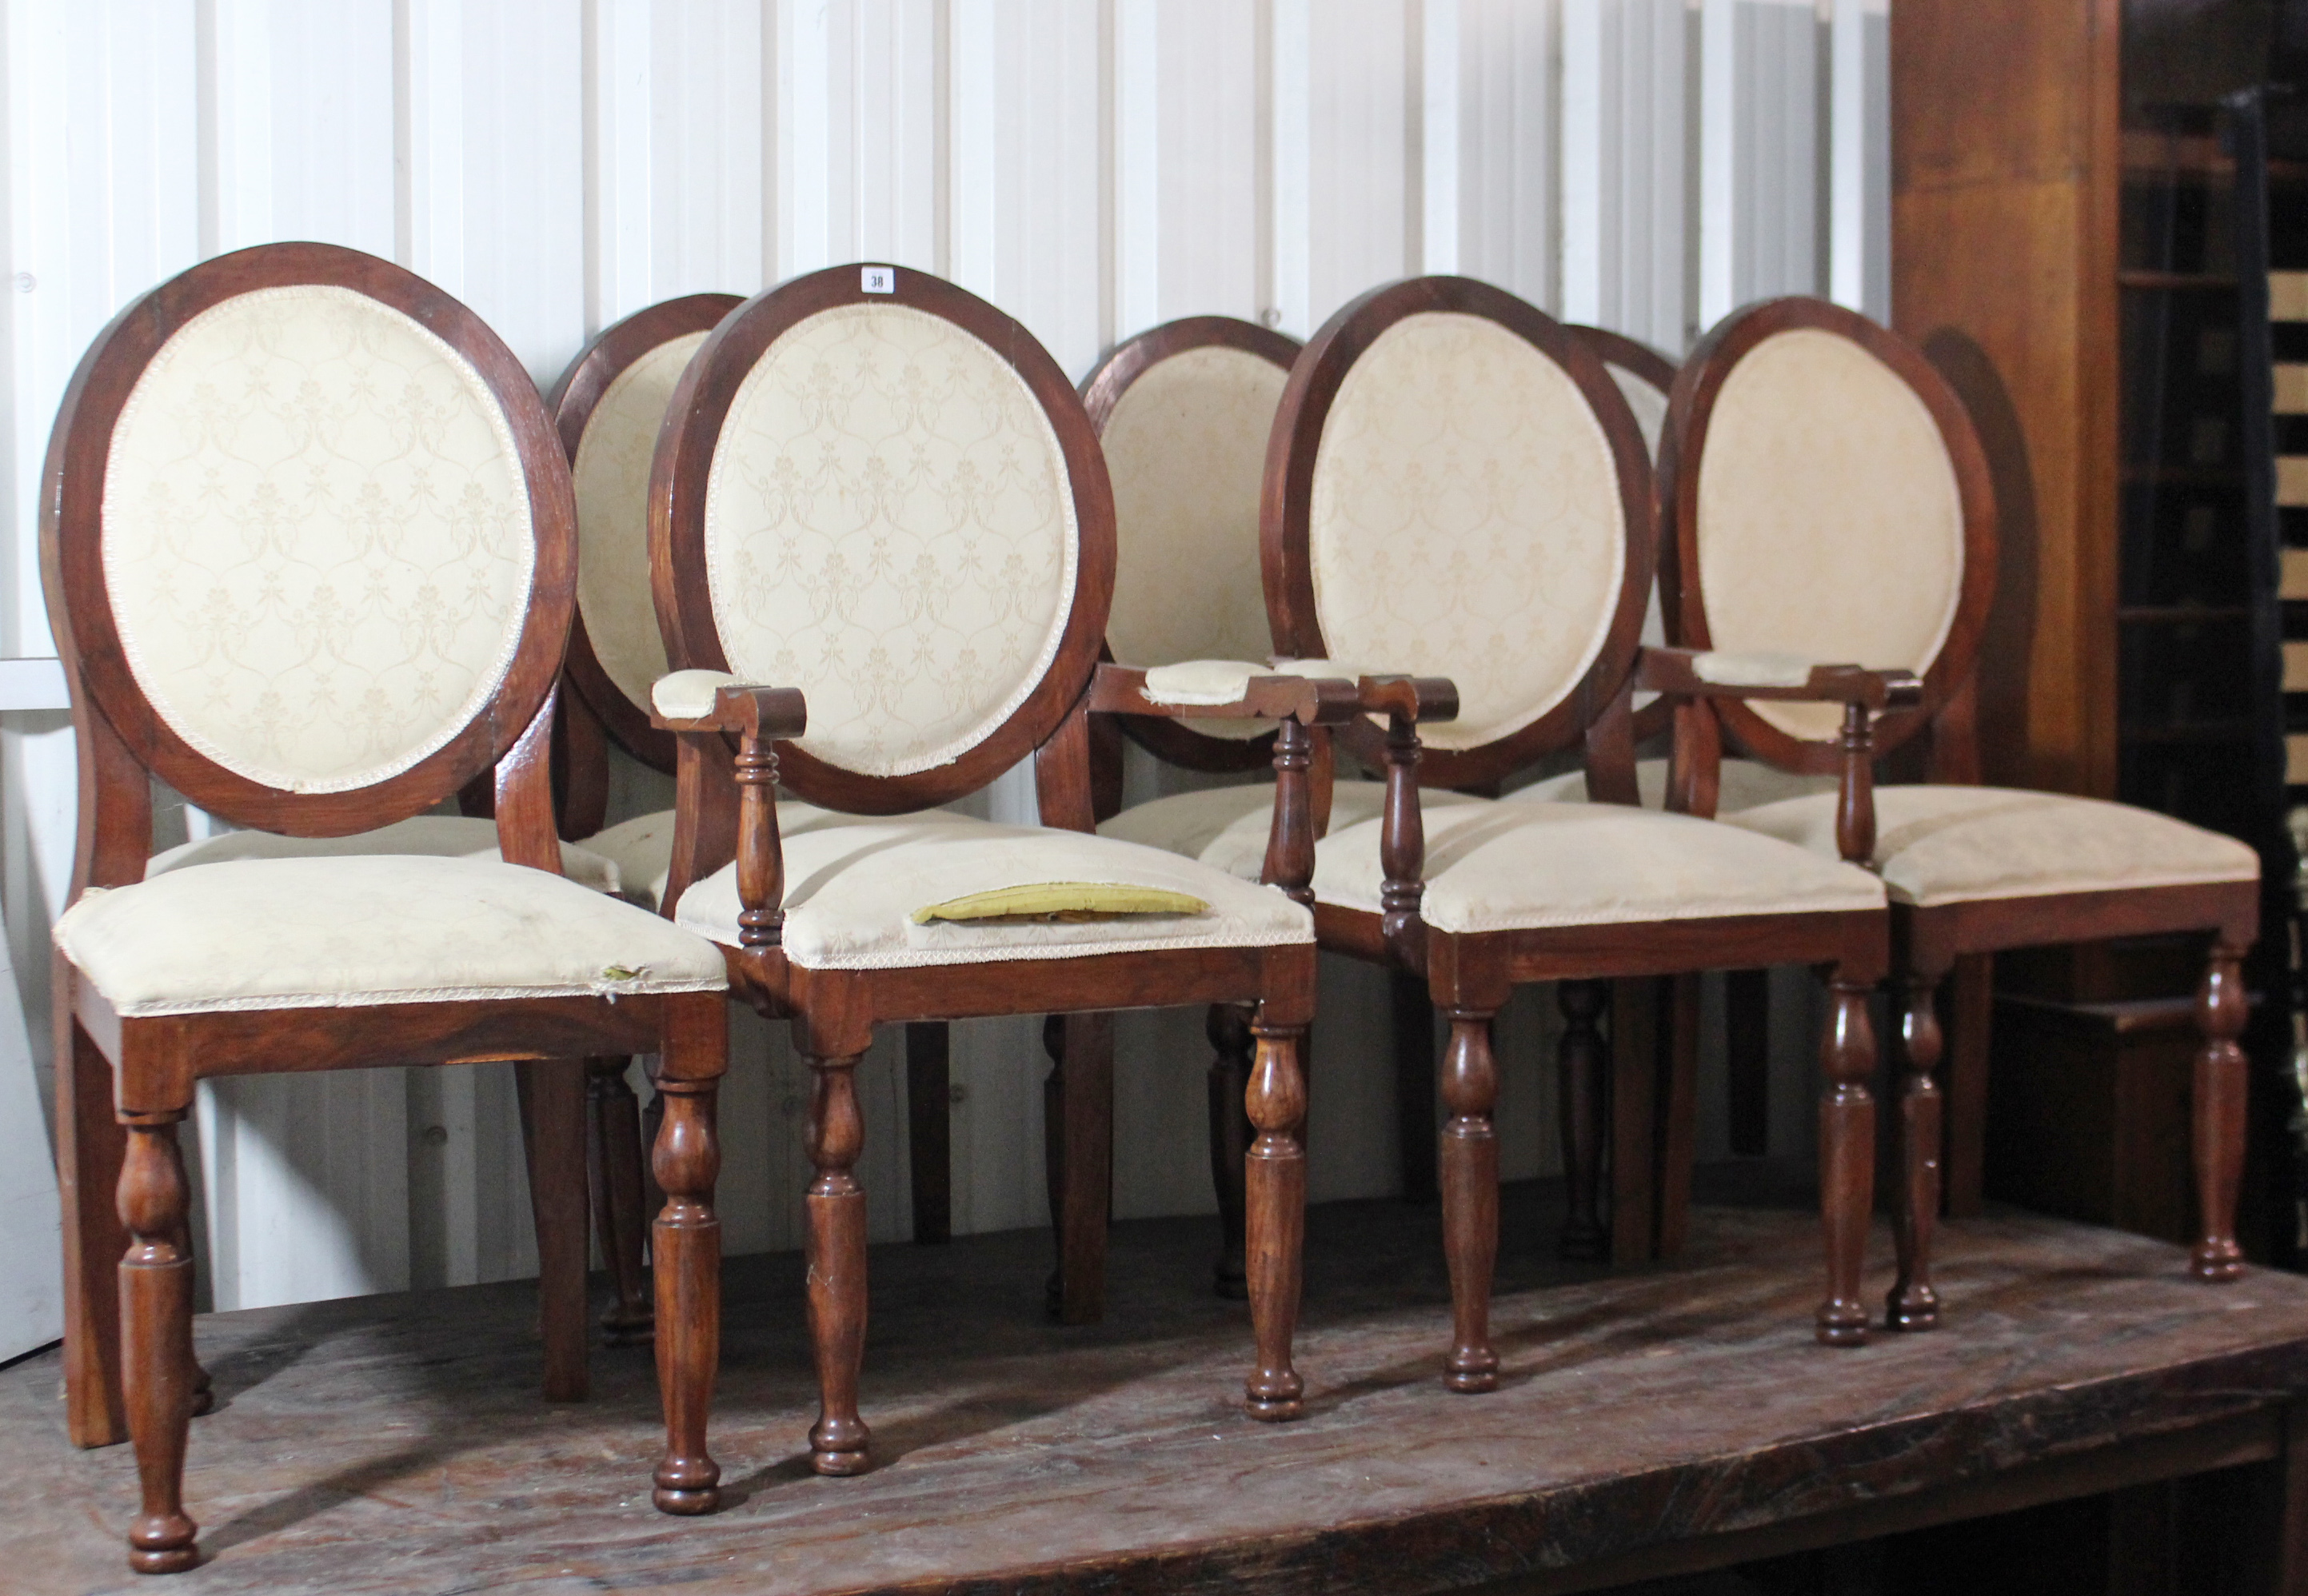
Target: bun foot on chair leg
[(1913, 1307)]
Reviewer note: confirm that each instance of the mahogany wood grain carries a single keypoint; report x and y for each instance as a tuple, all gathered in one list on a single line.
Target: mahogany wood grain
[(1411, 1008), (1971, 1010), (1582, 1068), (552, 1094), (1917, 1140), (1846, 1159), (1634, 1122), (1085, 1184), (1469, 1163), (1274, 1187), (687, 1161), (1676, 1142), (1167, 738)]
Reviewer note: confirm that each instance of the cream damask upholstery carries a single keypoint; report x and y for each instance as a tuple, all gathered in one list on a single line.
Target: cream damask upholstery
[(1744, 784), (889, 527), (317, 541), (439, 836), (348, 931), (1206, 681), (612, 477), (1830, 522), (1944, 844), (1465, 520), (1227, 828), (1526, 866), (853, 884), (641, 849), (1185, 446)]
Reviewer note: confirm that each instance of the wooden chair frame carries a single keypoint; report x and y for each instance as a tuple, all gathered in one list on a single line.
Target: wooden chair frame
[(595, 711), (1176, 742), (1470, 976), (727, 814), (123, 1084), (1929, 943)]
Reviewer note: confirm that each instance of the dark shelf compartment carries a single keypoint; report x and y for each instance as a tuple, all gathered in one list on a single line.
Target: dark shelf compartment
[(2180, 614), (2175, 282)]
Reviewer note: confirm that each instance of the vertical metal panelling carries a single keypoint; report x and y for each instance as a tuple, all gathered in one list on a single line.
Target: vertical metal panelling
[(1092, 166)]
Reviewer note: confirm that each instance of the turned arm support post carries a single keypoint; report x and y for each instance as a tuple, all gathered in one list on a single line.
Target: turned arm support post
[(1405, 701), (758, 718), (1691, 678)]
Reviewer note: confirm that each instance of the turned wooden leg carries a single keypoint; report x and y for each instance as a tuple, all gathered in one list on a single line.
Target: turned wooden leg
[(1088, 1209), (653, 1123), (1053, 1158), (1846, 1158), (2221, 1010), (929, 1127), (1228, 1029), (837, 1265), (1470, 1197), (90, 1146), (156, 1339), (1413, 1008), (1275, 1193), (1676, 1155), (685, 1250), (553, 1124), (1580, 1064), (1916, 1134), (613, 1123)]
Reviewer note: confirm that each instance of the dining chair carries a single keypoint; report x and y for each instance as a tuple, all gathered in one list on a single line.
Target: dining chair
[(1455, 484), (881, 547), (309, 551), (1823, 488)]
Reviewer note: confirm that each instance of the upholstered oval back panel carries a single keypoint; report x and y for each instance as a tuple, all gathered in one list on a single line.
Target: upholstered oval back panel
[(316, 540), (1466, 522), (889, 527), (1185, 445), (1830, 522), (612, 473)]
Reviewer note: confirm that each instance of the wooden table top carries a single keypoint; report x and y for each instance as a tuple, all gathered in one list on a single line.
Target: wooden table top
[(397, 1443)]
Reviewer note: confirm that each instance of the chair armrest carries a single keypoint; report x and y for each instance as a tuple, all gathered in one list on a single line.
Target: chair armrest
[(1228, 689), (702, 708), (1685, 673)]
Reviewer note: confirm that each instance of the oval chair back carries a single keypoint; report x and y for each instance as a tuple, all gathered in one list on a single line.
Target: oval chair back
[(1456, 487), (310, 552), (1183, 411), (1823, 493), (895, 503)]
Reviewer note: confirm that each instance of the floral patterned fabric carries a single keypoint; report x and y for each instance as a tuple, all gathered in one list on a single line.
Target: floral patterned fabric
[(889, 528), (1830, 521), (316, 539), (612, 473), (1466, 522)]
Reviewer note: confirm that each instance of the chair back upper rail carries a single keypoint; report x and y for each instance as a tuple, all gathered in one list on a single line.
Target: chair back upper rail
[(309, 550), (1183, 411), (609, 407), (1483, 477), (894, 501), (1850, 516)]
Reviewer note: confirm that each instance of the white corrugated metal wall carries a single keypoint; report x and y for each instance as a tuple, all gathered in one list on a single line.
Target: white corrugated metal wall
[(1094, 167)]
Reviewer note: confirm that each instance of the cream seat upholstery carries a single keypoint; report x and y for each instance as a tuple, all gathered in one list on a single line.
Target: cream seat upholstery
[(345, 931), (1227, 828), (1945, 844), (440, 836), (1526, 866), (642, 850), (853, 883), (1745, 784)]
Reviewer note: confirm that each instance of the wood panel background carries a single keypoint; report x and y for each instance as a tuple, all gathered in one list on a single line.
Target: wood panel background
[(1092, 166)]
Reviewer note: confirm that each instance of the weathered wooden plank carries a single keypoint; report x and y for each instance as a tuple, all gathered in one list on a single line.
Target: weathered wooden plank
[(398, 1443)]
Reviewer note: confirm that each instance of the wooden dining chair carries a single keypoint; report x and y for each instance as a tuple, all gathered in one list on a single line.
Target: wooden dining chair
[(1454, 482), (309, 552), (877, 496), (609, 407), (1823, 489)]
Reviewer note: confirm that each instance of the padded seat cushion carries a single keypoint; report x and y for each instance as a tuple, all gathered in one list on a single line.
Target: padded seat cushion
[(442, 836), (1744, 784), (642, 850), (1943, 844), (348, 930), (1227, 828), (853, 884), (1527, 866)]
